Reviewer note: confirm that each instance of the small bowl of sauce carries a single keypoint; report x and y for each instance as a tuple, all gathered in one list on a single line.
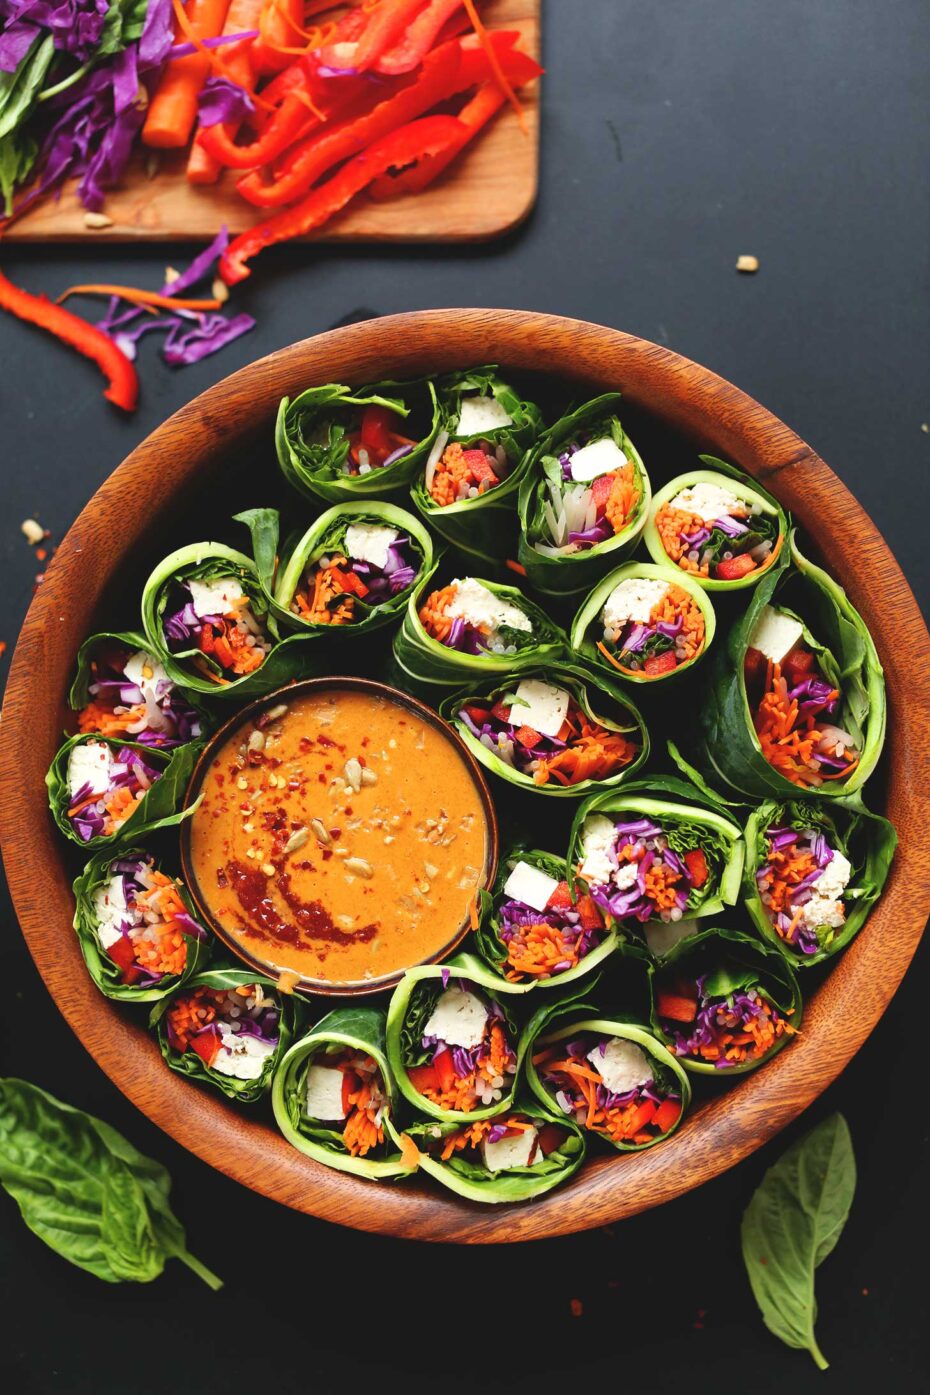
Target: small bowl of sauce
[(342, 836)]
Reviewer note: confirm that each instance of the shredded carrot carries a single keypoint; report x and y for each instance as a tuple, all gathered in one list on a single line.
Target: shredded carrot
[(517, 567), (409, 1152), (143, 298), (499, 75), (473, 918)]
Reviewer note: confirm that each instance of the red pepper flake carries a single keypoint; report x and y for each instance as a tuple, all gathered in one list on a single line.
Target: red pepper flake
[(865, 1293), (2, 647), (577, 1307), (41, 553)]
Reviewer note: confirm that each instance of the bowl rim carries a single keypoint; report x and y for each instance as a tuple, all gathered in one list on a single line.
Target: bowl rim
[(139, 494), (343, 988)]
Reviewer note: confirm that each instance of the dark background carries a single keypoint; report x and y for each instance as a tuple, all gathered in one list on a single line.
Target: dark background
[(675, 137)]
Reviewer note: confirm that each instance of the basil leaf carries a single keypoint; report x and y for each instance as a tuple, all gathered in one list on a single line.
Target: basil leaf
[(790, 1226), (86, 1191)]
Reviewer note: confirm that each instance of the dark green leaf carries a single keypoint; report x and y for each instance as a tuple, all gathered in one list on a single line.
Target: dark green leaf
[(790, 1226)]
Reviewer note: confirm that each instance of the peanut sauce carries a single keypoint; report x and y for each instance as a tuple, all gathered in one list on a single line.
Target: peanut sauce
[(340, 836)]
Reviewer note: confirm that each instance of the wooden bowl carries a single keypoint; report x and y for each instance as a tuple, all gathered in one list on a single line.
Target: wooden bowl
[(140, 504), (333, 988)]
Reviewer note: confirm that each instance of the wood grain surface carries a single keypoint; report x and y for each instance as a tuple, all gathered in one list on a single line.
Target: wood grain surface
[(487, 191), (142, 495)]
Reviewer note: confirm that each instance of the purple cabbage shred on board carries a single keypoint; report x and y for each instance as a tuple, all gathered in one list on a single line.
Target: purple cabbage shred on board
[(222, 100)]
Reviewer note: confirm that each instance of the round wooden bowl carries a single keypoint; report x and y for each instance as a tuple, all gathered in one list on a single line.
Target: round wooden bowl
[(367, 687), (143, 498)]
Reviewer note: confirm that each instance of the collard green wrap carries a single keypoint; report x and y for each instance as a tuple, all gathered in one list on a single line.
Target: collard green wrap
[(485, 527), (356, 1028), (158, 807), (469, 1177), (426, 660), (601, 699), (188, 718), (190, 1064), (107, 974), (570, 1020), (866, 840), (728, 964), (410, 1008), (324, 537), (492, 945), (729, 748), (690, 819), (564, 574), (773, 527), (312, 438), (588, 629), (289, 658)]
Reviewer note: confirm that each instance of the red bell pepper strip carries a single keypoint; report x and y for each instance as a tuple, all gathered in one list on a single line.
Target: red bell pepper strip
[(732, 568), (644, 1115), (660, 663), (551, 1137), (501, 710), (445, 1069), (527, 736), (696, 863), (351, 1084), (122, 953), (417, 40), (207, 1046), (423, 1078), (589, 913), (667, 1115), (473, 117), (123, 387), (675, 1007), (561, 898), (797, 665), (754, 667), (290, 121), (324, 149), (413, 142), (384, 27)]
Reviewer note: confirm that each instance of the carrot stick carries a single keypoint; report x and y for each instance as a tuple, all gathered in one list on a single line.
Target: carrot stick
[(136, 297), (173, 109), (242, 16)]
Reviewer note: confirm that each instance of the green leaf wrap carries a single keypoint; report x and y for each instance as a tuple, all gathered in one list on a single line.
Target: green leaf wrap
[(565, 1020), (587, 628), (159, 807), (425, 660), (409, 1009), (737, 959), (312, 438), (86, 1191), (289, 658), (472, 1180), (100, 966), (729, 748), (729, 477), (868, 841), (484, 527), (488, 939), (601, 699), (573, 572), (691, 819), (190, 1064), (362, 1029)]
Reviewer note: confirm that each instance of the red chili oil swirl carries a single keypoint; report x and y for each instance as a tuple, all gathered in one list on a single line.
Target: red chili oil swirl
[(312, 925)]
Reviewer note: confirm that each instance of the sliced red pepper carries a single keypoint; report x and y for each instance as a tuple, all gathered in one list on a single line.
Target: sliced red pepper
[(755, 667), (322, 150), (123, 389), (675, 1006), (481, 466), (732, 568), (667, 1115), (418, 38), (797, 665), (589, 913), (290, 121), (445, 1069), (644, 1115), (122, 953), (474, 116), (600, 490), (351, 1085), (696, 863), (416, 141), (560, 898), (501, 710), (660, 663), (207, 1046), (550, 1138), (349, 581), (423, 1078), (377, 430), (385, 26), (479, 715), (527, 736)]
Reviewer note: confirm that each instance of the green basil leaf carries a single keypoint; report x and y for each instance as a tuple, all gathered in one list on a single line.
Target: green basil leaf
[(792, 1223), (86, 1191)]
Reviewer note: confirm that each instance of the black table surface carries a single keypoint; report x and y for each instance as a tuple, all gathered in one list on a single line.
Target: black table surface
[(675, 136)]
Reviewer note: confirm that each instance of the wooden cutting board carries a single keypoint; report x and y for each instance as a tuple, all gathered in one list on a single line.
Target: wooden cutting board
[(486, 192)]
